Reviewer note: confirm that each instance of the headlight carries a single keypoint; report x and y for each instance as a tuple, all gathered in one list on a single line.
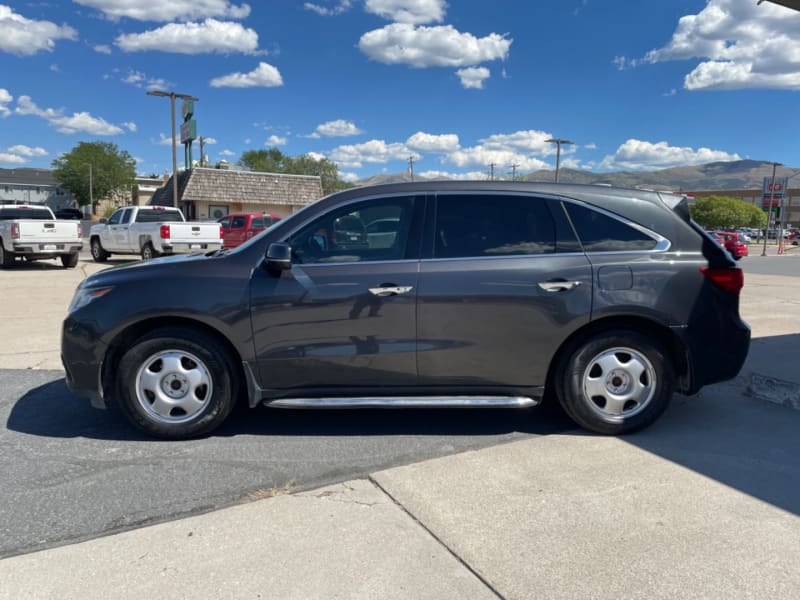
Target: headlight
[(84, 296)]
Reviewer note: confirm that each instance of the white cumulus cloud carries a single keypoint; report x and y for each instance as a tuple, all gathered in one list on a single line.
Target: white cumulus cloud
[(275, 140), (427, 142), (24, 37), (210, 36), (408, 11), (75, 123), (337, 9), (470, 176), (5, 98), (7, 157), (264, 75), (473, 77), (636, 155), (227, 152), (440, 46), (158, 10), (337, 128), (102, 48), (348, 176), (373, 151), (740, 44), (27, 150)]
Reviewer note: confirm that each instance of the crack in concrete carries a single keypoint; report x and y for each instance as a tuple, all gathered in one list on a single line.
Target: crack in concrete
[(441, 542)]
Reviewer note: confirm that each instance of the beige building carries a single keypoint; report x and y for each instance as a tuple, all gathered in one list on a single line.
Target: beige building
[(209, 194)]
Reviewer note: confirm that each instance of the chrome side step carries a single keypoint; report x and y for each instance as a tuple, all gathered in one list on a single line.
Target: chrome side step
[(407, 402)]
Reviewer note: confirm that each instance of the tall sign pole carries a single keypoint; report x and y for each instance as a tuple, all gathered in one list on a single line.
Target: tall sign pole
[(770, 190)]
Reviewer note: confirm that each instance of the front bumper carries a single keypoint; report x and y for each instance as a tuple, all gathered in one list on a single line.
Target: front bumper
[(82, 355)]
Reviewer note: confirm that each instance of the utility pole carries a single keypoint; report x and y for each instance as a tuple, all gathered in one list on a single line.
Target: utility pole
[(91, 195), (558, 142), (202, 140), (771, 201), (514, 172), (411, 167), (491, 171)]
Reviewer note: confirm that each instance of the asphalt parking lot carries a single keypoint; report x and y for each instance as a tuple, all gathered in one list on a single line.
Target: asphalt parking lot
[(703, 504)]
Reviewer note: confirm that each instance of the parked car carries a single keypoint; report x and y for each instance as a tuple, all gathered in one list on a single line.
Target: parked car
[(69, 213), (151, 231), (237, 228), (492, 294), (31, 232), (734, 244)]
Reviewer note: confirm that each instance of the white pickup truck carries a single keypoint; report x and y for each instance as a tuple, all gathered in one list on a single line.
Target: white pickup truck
[(151, 231), (33, 233)]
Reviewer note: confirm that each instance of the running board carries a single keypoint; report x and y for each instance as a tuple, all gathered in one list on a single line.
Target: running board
[(407, 402)]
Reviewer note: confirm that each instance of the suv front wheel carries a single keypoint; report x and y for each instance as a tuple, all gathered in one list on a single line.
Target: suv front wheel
[(177, 383), (616, 382)]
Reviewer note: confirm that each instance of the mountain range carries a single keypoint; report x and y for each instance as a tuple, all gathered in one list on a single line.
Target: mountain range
[(733, 175)]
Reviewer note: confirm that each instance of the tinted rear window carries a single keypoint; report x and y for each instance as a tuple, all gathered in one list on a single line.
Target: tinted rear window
[(8, 214), (154, 216), (601, 233), (492, 225)]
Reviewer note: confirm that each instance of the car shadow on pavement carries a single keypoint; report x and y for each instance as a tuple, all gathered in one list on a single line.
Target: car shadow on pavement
[(746, 443), (51, 410)]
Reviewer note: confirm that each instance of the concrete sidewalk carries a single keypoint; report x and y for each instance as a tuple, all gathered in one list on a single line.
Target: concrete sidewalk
[(705, 503)]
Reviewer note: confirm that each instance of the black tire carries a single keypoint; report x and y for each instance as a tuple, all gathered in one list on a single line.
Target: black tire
[(143, 368), (98, 253), (148, 252), (6, 257), (607, 364), (69, 261)]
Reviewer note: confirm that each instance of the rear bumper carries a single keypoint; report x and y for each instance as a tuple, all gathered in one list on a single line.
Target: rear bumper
[(48, 249), (173, 247), (715, 357)]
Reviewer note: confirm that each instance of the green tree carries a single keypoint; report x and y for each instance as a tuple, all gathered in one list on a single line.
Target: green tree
[(273, 160), (111, 169), (714, 212)]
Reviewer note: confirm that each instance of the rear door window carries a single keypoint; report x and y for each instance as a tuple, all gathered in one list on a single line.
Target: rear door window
[(237, 222), (601, 233), (492, 225)]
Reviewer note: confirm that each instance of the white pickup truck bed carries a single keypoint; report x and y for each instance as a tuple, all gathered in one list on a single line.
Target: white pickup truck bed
[(33, 233), (151, 231)]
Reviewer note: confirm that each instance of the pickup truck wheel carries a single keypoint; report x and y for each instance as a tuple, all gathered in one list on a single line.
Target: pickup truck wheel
[(177, 383), (98, 254), (615, 382), (69, 261), (6, 258), (148, 252)]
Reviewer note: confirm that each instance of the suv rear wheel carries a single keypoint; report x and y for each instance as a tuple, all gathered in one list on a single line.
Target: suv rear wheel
[(176, 383), (616, 382)]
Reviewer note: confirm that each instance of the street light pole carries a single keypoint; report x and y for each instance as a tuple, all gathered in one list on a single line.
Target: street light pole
[(558, 142), (172, 96), (771, 200), (91, 197)]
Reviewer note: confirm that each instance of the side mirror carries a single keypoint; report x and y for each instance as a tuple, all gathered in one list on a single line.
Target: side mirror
[(103, 221), (278, 257)]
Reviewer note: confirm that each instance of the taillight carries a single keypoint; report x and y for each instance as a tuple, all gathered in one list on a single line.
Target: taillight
[(729, 279), (80, 230), (165, 232), (221, 233), (15, 231)]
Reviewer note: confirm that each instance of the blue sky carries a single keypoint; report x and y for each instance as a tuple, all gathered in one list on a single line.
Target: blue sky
[(636, 85)]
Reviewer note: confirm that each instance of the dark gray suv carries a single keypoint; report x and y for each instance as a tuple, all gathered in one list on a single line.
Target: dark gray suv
[(430, 294)]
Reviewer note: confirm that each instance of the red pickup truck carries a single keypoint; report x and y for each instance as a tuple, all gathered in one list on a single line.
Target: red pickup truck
[(237, 228)]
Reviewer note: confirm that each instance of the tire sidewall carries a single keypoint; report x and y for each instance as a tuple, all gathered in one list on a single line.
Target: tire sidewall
[(98, 254), (578, 407), (203, 347)]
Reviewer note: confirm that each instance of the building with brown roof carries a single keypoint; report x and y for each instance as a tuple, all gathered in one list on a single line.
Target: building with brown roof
[(208, 194)]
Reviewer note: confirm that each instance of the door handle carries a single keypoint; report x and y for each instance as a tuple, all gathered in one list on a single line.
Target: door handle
[(559, 286), (390, 290)]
